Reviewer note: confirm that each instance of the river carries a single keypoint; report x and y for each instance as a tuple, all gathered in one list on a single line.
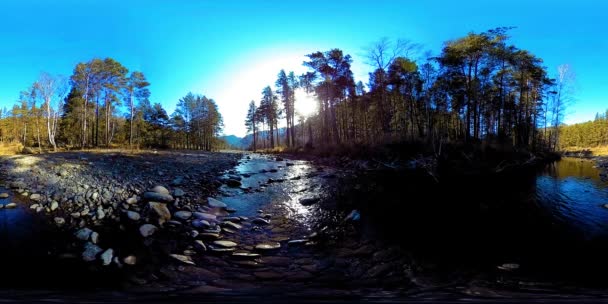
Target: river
[(551, 223)]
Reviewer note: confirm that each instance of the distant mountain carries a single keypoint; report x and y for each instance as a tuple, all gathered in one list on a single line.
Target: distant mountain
[(234, 141), (244, 143)]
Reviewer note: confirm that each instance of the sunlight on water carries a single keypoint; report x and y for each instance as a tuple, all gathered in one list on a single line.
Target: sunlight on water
[(571, 190), (265, 181)]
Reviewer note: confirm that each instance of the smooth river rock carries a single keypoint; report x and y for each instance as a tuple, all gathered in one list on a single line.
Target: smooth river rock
[(183, 215), (158, 197), (161, 211), (147, 230), (216, 203), (225, 244), (90, 252)]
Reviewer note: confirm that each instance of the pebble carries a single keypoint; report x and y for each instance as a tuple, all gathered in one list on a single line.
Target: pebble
[(3, 195), (54, 205), (10, 206), (95, 237), (158, 197), (205, 216), (199, 245), (260, 221), (147, 230), (216, 203), (183, 258), (90, 252), (161, 211), (59, 221), (225, 244), (107, 256), (245, 254), (130, 260), (268, 246), (132, 215), (160, 189), (83, 234), (183, 215), (178, 192)]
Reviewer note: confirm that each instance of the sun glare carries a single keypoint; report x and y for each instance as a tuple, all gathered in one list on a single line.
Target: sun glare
[(306, 104)]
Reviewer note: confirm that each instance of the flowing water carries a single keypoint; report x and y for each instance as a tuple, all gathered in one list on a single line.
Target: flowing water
[(573, 193)]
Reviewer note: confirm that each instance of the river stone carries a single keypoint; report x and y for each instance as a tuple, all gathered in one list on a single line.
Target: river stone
[(232, 225), (216, 203), (199, 245), (508, 266), (160, 189), (221, 249), (158, 197), (132, 200), (100, 214), (106, 256), (260, 221), (132, 215), (178, 192), (268, 246), (209, 235), (90, 252), (59, 221), (3, 195), (205, 216), (147, 230), (183, 215), (161, 211), (201, 224), (297, 242), (130, 260), (83, 234), (233, 183), (177, 181), (228, 230), (183, 258), (54, 205), (309, 201), (234, 219), (225, 244), (35, 197), (95, 237), (245, 255), (10, 206)]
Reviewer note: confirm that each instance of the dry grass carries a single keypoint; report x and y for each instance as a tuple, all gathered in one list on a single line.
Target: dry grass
[(595, 151), (10, 148)]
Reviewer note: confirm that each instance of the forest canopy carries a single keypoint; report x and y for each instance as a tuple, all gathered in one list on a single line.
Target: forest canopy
[(479, 87)]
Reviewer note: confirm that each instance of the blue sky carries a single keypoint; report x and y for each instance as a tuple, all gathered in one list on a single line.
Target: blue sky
[(230, 50)]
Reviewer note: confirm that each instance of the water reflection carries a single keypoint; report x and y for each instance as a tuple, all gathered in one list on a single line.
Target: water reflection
[(282, 183), (572, 192)]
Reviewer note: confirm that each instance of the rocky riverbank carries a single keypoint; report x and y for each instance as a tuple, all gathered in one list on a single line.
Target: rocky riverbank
[(101, 198), (158, 222)]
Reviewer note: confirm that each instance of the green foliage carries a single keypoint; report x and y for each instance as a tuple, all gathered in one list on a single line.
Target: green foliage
[(585, 135)]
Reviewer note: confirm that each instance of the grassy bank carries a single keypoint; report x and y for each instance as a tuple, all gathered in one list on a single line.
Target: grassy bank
[(586, 151)]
